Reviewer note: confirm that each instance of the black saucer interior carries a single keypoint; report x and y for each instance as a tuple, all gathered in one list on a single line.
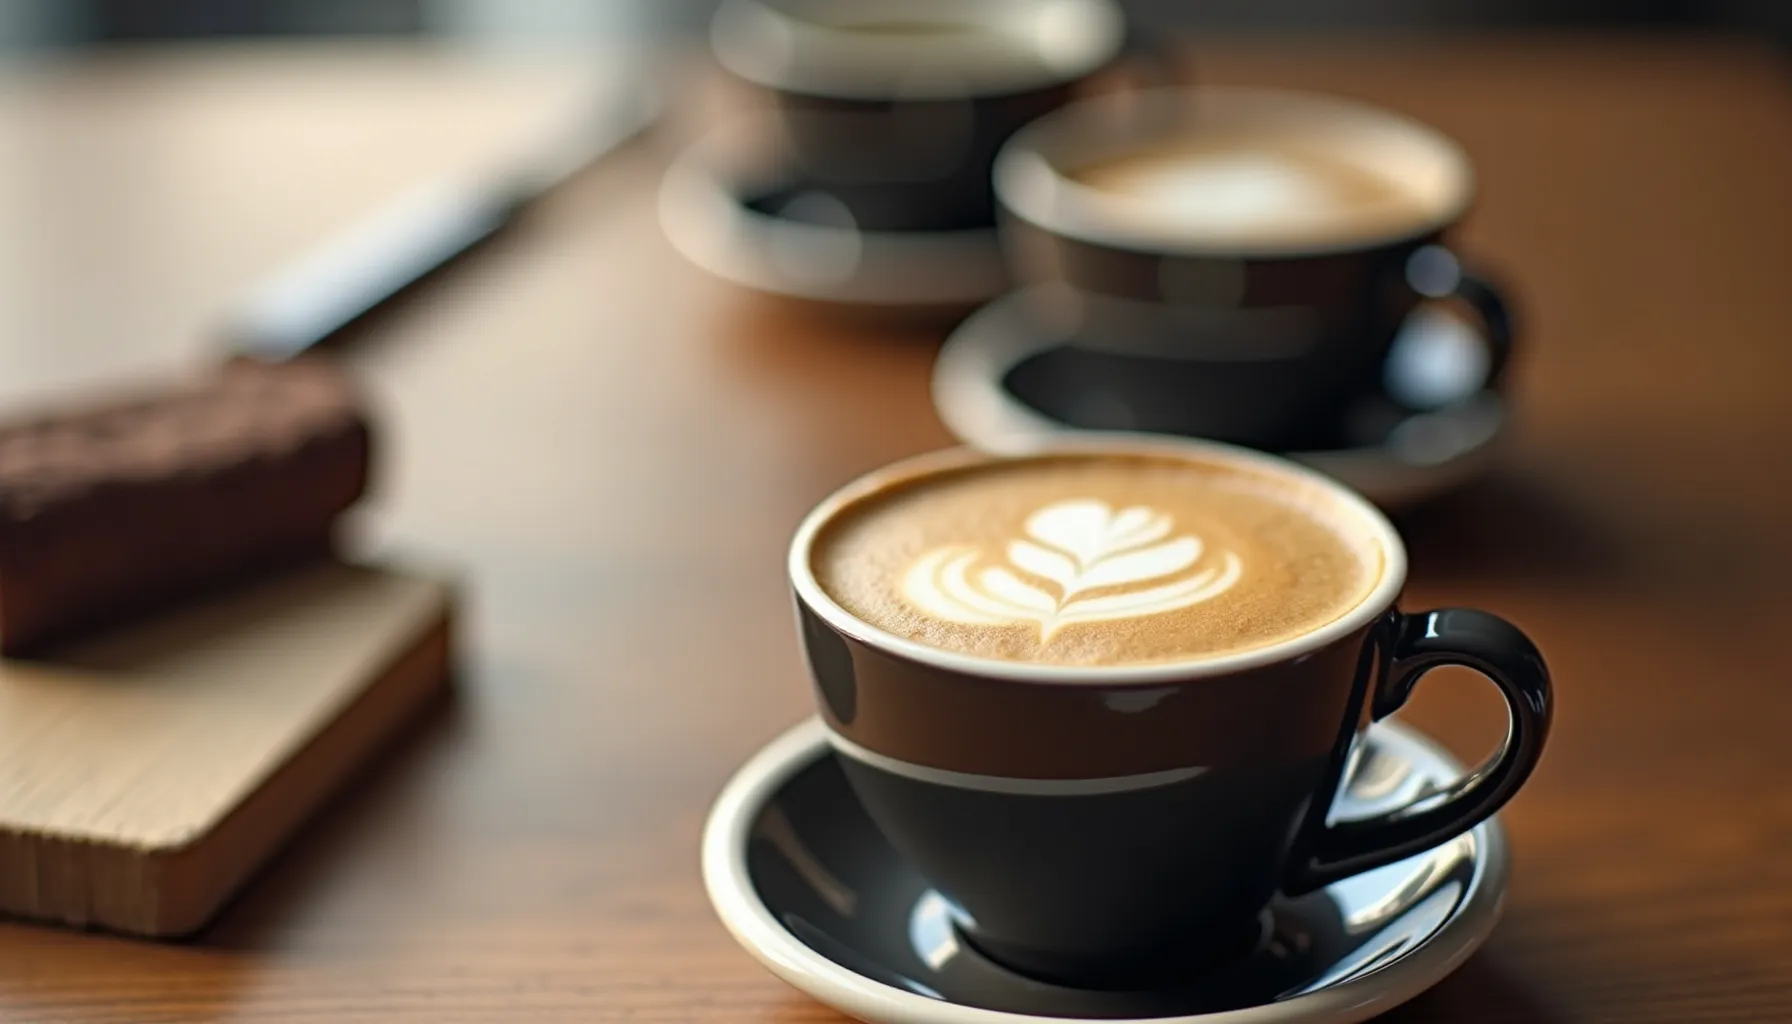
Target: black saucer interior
[(1080, 384), (828, 875)]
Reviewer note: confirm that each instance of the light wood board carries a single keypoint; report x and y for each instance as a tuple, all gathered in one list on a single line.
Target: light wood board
[(145, 774)]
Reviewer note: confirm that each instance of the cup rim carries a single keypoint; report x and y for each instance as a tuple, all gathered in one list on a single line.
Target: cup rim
[(1378, 600), (1030, 185), (761, 40)]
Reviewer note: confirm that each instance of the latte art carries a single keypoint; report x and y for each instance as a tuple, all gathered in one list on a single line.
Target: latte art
[(1081, 561), (1098, 559), (1095, 560)]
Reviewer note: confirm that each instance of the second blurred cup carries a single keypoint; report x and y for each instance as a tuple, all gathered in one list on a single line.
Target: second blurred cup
[(898, 107), (1251, 253)]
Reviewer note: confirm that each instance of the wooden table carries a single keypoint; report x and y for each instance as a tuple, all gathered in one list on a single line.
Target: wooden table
[(615, 449)]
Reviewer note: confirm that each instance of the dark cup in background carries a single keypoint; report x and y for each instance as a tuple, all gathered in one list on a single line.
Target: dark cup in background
[(897, 108), (1265, 337)]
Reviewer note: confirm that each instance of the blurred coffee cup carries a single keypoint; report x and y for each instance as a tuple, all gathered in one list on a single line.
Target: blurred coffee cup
[(897, 108), (1260, 250)]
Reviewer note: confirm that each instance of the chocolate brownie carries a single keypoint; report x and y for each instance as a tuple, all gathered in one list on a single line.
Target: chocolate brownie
[(114, 509)]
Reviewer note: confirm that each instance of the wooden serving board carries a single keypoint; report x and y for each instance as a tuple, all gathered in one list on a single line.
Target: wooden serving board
[(146, 774)]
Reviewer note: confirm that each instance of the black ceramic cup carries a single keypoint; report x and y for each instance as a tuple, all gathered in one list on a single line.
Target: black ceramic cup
[(1242, 283), (896, 108), (1111, 826)]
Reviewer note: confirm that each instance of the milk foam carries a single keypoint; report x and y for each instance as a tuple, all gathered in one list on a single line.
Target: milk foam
[(1075, 547), (1228, 189), (1097, 560), (1242, 187)]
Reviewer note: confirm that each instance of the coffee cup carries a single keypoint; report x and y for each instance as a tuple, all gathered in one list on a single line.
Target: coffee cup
[(1254, 251), (896, 108), (1102, 696)]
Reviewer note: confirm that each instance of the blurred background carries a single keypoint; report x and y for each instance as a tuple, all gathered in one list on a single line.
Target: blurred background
[(605, 442), (34, 24)]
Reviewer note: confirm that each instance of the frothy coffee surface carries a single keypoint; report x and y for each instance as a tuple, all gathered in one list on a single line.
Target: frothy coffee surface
[(1097, 560), (1241, 188)]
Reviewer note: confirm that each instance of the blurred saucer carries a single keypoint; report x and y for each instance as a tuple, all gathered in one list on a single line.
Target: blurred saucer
[(808, 885), (1432, 428), (732, 206)]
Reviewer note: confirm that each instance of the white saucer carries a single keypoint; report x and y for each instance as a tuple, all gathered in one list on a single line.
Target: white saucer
[(808, 886), (1412, 457), (707, 209)]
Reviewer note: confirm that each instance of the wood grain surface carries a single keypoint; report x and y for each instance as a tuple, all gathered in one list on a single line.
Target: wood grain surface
[(147, 772), (615, 448)]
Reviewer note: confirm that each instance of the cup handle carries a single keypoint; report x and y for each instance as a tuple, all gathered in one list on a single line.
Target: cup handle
[(1412, 645), (1490, 305), (1437, 273)]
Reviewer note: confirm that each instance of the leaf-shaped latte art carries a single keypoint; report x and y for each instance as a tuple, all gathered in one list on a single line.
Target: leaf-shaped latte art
[(1074, 547)]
